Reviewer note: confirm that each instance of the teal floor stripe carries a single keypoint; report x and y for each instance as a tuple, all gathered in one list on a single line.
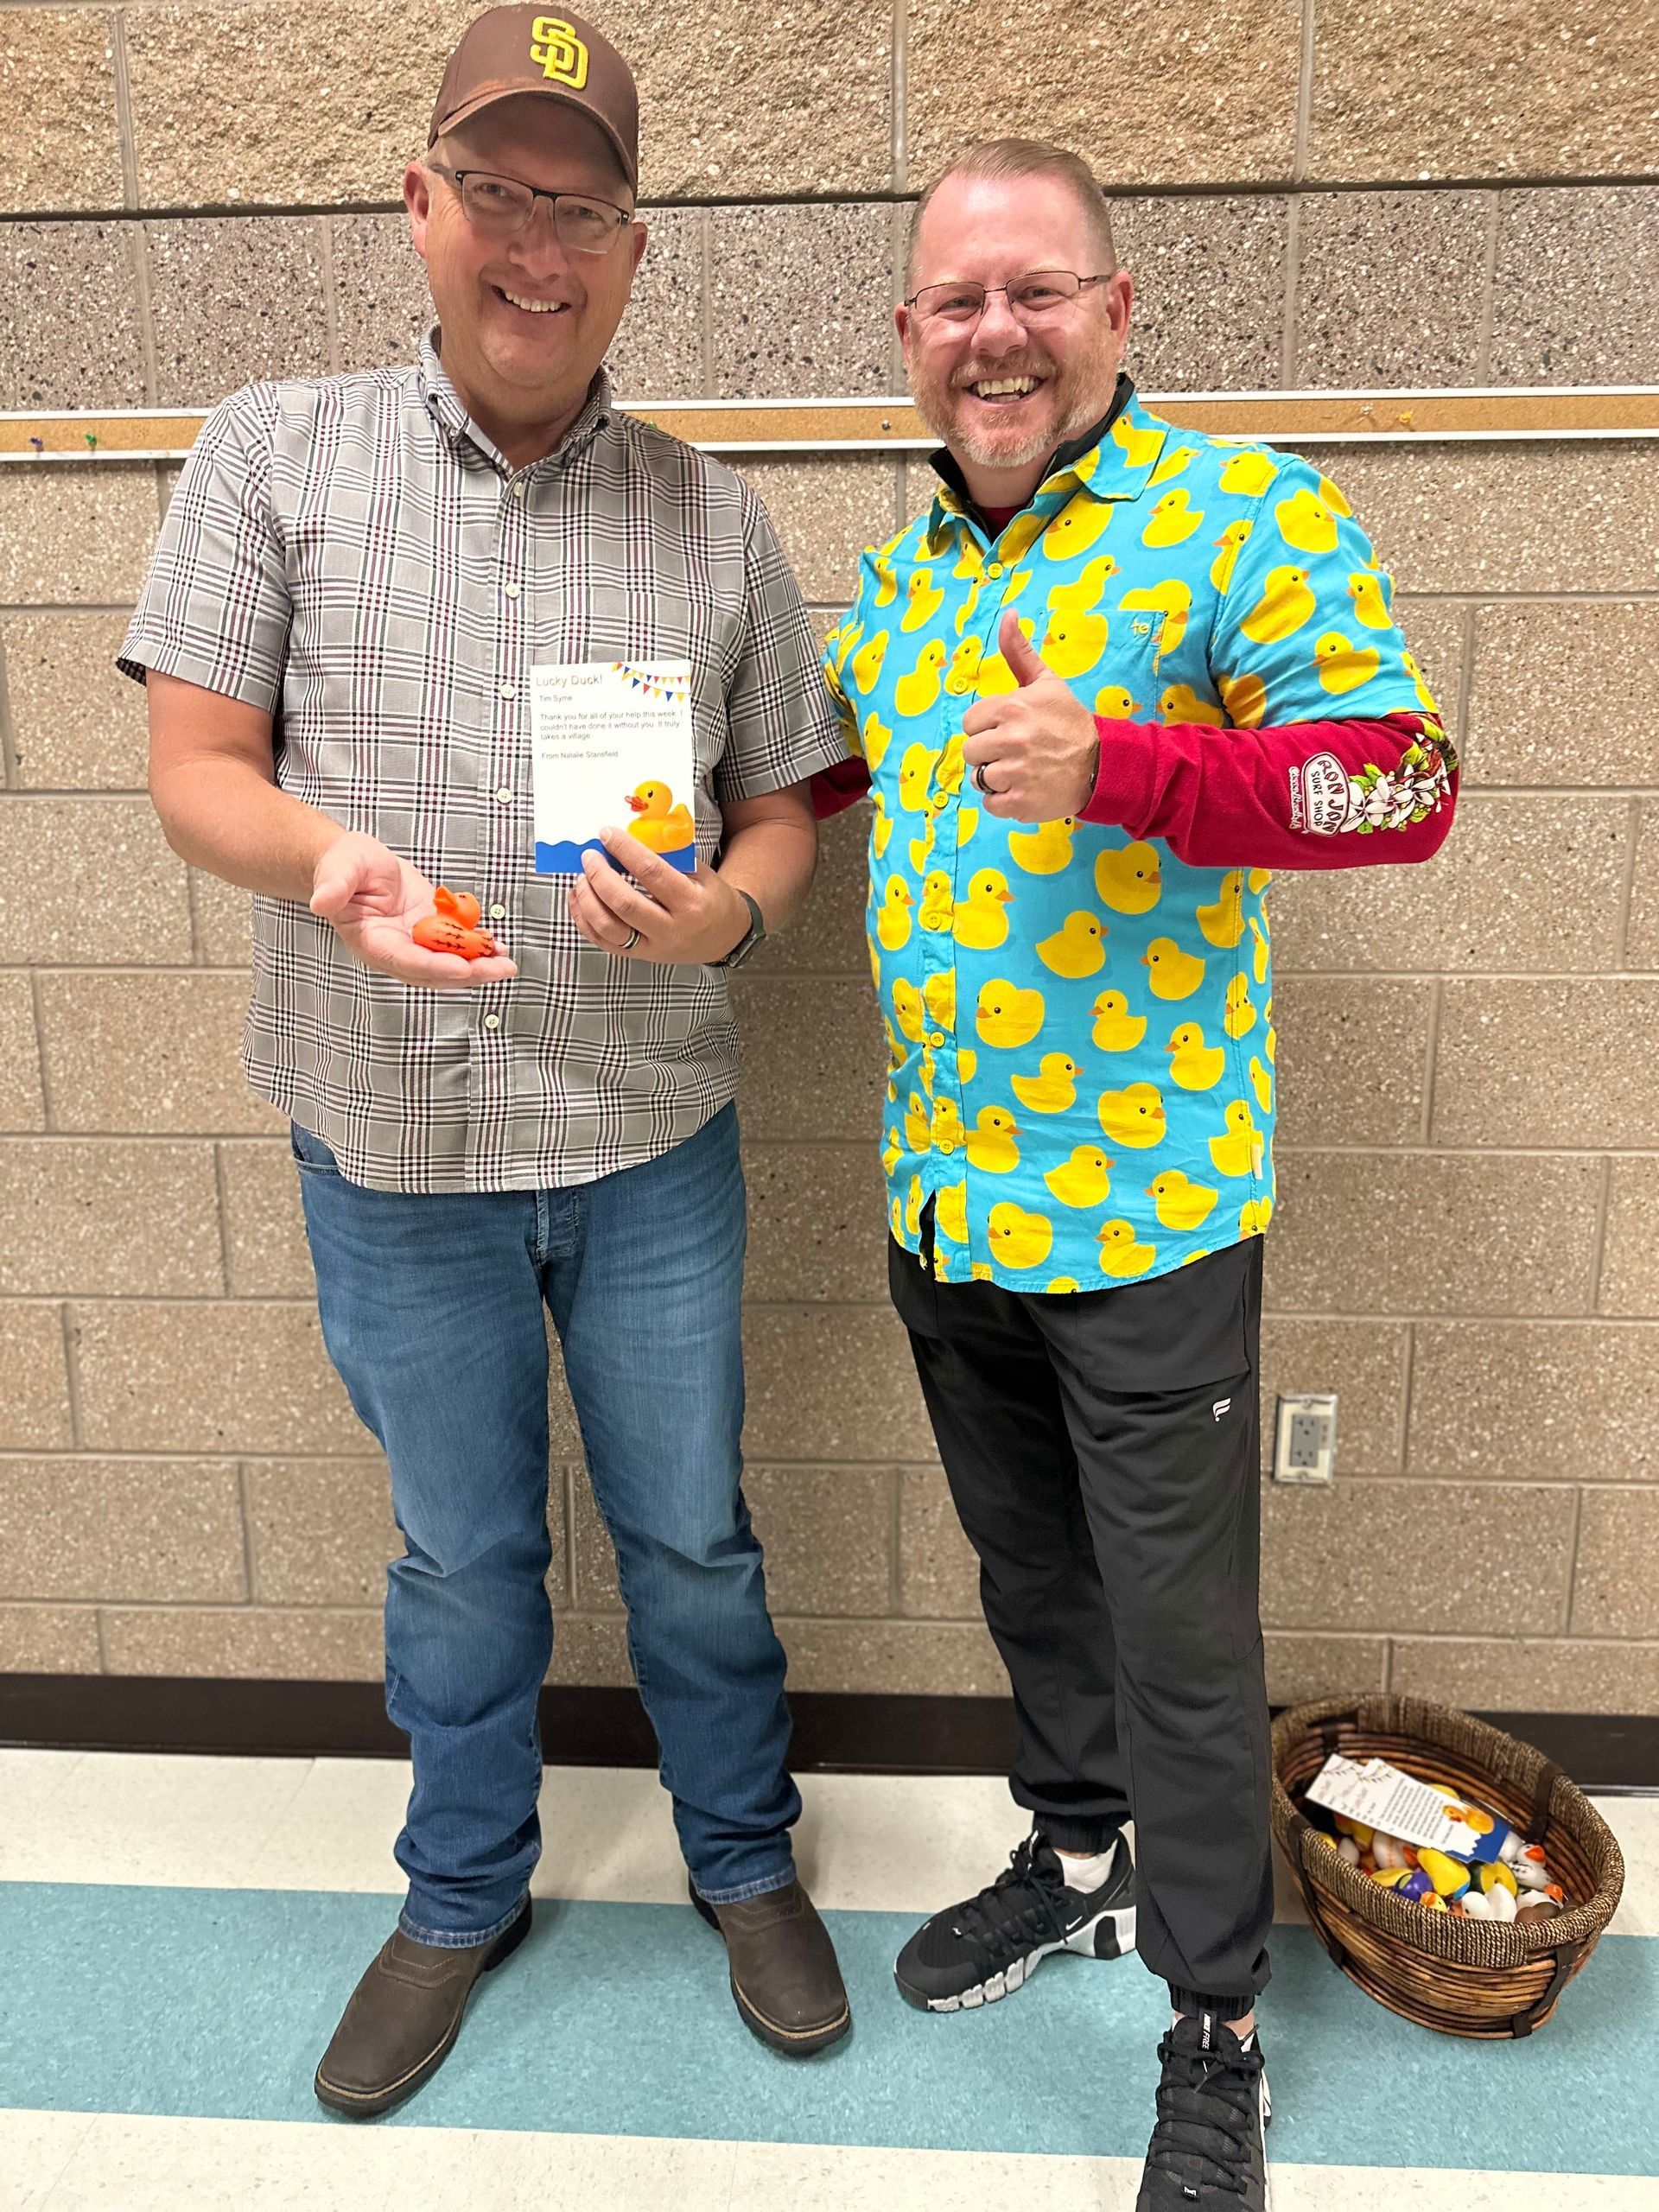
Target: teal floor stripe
[(614, 2019)]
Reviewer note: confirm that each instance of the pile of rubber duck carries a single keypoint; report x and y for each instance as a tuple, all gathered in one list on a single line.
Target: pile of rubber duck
[(1516, 1885)]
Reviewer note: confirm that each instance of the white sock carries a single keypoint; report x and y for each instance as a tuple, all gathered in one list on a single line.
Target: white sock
[(1086, 1871)]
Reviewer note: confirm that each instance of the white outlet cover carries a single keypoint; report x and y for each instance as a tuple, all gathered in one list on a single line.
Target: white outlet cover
[(1321, 1406)]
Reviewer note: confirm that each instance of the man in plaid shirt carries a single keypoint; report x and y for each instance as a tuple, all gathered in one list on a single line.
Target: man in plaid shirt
[(357, 576)]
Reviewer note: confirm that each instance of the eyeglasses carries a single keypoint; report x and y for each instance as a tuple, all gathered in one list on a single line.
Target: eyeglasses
[(1030, 298), (501, 207)]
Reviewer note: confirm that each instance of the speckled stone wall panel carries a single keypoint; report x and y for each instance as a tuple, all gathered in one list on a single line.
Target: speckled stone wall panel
[(1615, 1591), (827, 936), (1482, 88), (1497, 518), (827, 1537), (814, 1060), (157, 1052), (1416, 1557), (381, 301), (1563, 693), (264, 1225), (1352, 1064), (831, 1386), (1209, 290), (1434, 631), (1365, 1362), (76, 536), (208, 1377), (1303, 1667), (801, 301), (1390, 288), (1577, 281), (1519, 1401), (77, 724), (817, 1222), (593, 1652), (88, 880), (825, 512), (901, 1658), (1630, 1257), (97, 1219), (594, 1586), (224, 913), (1206, 97), (69, 334), (309, 1643), (1641, 939), (939, 1568), (1531, 1675), (22, 1106), (658, 351), (1540, 1064), (1390, 1233), (1520, 883), (34, 1404), (167, 1530), (57, 111), (234, 300), (49, 1640)]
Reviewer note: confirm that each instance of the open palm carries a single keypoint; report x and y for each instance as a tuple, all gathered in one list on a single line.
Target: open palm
[(374, 899)]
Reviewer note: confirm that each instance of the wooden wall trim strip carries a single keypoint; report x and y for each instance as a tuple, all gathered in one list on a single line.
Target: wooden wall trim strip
[(873, 425)]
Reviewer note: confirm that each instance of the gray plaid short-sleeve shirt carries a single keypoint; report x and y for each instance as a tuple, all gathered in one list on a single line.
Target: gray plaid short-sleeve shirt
[(352, 554)]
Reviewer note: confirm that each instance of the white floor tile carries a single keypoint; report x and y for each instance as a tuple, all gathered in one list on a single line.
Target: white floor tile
[(1635, 1821), (148, 1818), (35, 2148), (809, 2178)]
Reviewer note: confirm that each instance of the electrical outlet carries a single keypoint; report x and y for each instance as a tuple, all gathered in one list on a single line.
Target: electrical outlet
[(1304, 1438)]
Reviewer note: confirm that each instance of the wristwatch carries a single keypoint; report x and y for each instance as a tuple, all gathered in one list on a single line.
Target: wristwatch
[(750, 939)]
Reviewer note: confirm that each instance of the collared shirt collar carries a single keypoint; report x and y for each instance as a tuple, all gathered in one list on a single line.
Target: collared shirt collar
[(1113, 459), (448, 409)]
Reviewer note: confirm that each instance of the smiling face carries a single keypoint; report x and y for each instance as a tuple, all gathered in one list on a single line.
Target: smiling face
[(525, 320), (1002, 394)]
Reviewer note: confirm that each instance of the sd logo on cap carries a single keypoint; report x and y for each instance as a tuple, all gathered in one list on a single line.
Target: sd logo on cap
[(513, 50)]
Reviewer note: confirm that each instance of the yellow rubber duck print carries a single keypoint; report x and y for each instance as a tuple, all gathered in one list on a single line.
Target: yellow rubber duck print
[(1173, 601), (1306, 522), (908, 1011), (1017, 540), (914, 1207), (1173, 462), (1173, 520), (1285, 605), (1044, 850), (970, 562), (887, 579), (1332, 498), (892, 919), (1254, 1216), (1249, 473), (1239, 1019), (982, 918), (1005, 1016), (1053, 1090), (1116, 1030), (1259, 879), (946, 1128), (1133, 1116), (1181, 1203), (939, 996), (967, 823), (1129, 878), (881, 827), (962, 675), (924, 600), (1259, 948), (1223, 923), (1084, 1179), (1245, 698), (1062, 1283), (1113, 700), (1120, 1256), (1073, 643), (1425, 696), (918, 1127), (1138, 448), (967, 1061), (1262, 1084), (875, 737), (1076, 947), (843, 640), (866, 662), (1019, 1239), (1194, 1064), (1085, 592), (915, 773), (936, 912), (950, 1212), (1344, 666), (1270, 1042), (1181, 703), (1238, 1153), (949, 773), (1221, 569), (1370, 594), (991, 1145), (920, 849), (927, 1067), (1175, 974), (918, 692), (893, 1150), (965, 612)]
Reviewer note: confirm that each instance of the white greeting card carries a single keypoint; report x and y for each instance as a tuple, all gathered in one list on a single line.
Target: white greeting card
[(613, 744)]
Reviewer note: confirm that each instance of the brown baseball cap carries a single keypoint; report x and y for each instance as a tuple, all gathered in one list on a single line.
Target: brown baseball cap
[(511, 50)]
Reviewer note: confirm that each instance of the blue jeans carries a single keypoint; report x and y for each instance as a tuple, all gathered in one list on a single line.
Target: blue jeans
[(431, 1311)]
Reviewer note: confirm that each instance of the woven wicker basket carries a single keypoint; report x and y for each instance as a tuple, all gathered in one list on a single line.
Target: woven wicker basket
[(1462, 1977)]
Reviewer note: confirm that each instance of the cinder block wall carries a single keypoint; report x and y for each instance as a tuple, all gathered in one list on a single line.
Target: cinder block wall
[(1467, 1246)]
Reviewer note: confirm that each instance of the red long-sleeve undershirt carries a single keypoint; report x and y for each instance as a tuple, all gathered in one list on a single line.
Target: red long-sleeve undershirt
[(1240, 797)]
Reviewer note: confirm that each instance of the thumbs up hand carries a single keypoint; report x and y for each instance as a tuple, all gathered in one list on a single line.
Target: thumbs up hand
[(1033, 753)]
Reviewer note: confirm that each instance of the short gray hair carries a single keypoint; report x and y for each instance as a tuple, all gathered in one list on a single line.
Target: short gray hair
[(1004, 160)]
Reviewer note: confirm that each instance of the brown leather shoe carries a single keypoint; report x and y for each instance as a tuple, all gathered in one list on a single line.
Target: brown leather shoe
[(784, 1977), (403, 2016)]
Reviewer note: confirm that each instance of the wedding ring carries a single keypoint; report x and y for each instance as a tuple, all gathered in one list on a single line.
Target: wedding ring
[(980, 783), (631, 940)]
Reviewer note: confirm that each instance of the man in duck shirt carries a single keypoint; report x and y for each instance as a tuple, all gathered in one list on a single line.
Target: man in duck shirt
[(1114, 676)]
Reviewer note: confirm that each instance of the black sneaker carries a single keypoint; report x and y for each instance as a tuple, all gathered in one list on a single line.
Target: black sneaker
[(1208, 2148), (989, 1946)]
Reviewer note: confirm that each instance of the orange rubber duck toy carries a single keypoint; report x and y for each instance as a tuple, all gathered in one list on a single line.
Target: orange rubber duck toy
[(454, 927)]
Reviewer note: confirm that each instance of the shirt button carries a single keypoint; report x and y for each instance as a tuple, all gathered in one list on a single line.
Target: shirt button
[(498, 913), (491, 1021), (510, 591), (994, 570), (519, 491), (508, 691), (505, 794)]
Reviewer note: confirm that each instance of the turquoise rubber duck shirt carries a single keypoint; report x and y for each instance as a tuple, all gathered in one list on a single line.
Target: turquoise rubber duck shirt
[(1080, 1025)]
